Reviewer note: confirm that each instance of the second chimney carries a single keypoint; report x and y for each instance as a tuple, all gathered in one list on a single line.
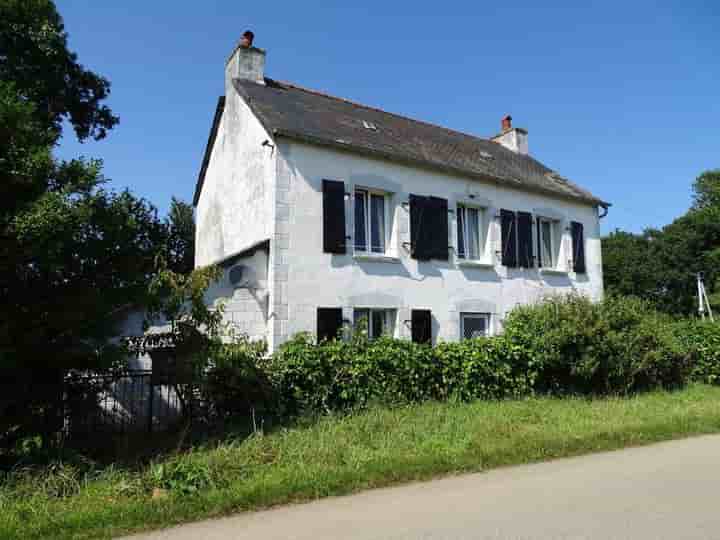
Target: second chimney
[(515, 139), (246, 62)]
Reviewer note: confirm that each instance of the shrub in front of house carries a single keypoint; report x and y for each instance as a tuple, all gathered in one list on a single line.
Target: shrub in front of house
[(617, 346), (564, 345), (235, 381), (702, 339), (339, 375)]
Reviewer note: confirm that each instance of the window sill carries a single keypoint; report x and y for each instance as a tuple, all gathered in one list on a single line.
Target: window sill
[(554, 272), (475, 264), (376, 257)]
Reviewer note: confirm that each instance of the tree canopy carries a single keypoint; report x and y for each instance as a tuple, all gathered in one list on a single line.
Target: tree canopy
[(662, 265), (74, 255), (34, 55)]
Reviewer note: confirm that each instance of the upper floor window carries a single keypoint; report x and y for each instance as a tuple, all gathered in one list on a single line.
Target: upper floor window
[(469, 224), (370, 221), (546, 243), (577, 235)]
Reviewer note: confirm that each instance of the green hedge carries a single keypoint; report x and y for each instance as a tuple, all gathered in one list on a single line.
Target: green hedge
[(617, 346), (565, 345), (339, 375), (702, 340)]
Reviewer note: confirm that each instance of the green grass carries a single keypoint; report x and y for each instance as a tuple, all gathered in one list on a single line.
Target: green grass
[(339, 455)]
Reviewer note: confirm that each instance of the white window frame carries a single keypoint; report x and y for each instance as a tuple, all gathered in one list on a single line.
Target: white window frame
[(554, 255), (367, 195), (473, 315), (462, 207), (390, 315)]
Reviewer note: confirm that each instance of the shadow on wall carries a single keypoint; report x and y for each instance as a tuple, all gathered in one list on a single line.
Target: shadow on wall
[(488, 275), (433, 267), (557, 280), (373, 268), (341, 261)]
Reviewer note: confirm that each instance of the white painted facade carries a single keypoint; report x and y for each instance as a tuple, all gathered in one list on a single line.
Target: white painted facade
[(235, 208), (262, 188), (399, 282), (253, 193)]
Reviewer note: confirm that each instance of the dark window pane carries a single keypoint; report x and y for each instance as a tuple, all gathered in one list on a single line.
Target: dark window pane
[(461, 231), (377, 225), (474, 326), (361, 320), (378, 323), (473, 233), (578, 240), (360, 221), (546, 244)]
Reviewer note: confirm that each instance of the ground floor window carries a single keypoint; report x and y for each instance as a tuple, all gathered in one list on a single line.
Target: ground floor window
[(474, 325), (376, 322)]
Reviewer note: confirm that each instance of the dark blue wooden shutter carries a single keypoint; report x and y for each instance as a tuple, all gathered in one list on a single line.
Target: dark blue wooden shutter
[(333, 217), (438, 224), (419, 233), (428, 228), (421, 326), (329, 323), (508, 239), (578, 242), (524, 233)]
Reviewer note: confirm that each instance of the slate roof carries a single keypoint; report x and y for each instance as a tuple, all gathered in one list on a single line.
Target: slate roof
[(287, 110)]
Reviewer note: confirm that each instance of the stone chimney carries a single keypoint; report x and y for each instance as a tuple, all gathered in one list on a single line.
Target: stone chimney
[(246, 62), (515, 139)]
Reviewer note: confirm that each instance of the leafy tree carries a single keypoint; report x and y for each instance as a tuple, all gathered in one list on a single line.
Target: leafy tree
[(35, 56), (662, 265), (181, 237), (707, 190), (627, 267), (73, 255)]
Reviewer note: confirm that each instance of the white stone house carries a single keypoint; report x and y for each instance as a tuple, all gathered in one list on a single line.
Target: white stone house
[(324, 211)]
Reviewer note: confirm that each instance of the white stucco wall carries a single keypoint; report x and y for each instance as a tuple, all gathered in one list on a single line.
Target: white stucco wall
[(234, 210), (245, 303), (312, 278)]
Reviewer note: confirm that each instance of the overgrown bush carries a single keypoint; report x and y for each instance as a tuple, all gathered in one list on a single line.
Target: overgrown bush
[(235, 382), (619, 345), (338, 375), (563, 345), (702, 339)]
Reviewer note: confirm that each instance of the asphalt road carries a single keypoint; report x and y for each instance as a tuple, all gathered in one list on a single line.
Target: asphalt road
[(669, 490)]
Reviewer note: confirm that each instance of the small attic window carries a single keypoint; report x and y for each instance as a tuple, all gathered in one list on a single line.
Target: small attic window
[(369, 125), (486, 155)]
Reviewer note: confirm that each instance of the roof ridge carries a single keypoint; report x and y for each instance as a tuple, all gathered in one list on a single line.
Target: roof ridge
[(377, 109), (281, 109)]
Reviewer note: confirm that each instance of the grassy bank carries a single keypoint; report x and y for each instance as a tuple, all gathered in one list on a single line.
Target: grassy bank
[(342, 454)]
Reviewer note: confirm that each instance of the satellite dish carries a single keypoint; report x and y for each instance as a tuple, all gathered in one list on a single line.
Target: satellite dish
[(236, 274)]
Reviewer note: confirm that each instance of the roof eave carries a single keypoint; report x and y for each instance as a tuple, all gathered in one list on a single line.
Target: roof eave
[(219, 108), (504, 182)]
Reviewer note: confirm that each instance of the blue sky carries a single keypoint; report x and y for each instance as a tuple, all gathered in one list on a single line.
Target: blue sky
[(621, 97)]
